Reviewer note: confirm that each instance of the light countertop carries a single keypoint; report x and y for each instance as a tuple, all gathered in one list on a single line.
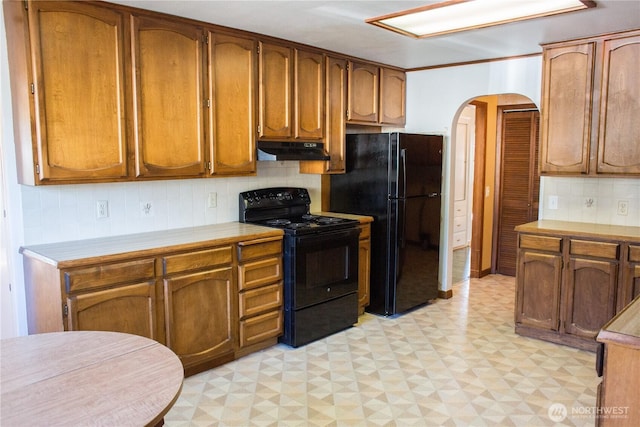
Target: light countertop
[(616, 232), (103, 249)]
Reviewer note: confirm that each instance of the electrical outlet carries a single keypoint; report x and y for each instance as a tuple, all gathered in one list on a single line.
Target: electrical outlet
[(623, 207), (146, 209), (553, 202), (102, 209), (212, 200)]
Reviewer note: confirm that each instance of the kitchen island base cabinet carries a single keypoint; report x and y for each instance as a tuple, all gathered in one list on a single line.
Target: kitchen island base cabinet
[(571, 280)]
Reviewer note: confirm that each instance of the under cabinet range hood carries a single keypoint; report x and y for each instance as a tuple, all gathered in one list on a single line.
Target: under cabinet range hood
[(283, 150)]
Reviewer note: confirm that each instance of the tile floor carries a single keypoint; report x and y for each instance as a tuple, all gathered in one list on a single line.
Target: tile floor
[(455, 362)]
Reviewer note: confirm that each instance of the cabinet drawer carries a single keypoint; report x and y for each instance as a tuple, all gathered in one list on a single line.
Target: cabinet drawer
[(109, 274), (634, 253), (195, 260), (460, 208), (365, 232), (259, 300), (595, 249), (259, 248), (459, 239), (544, 243), (258, 273), (260, 328), (459, 224)]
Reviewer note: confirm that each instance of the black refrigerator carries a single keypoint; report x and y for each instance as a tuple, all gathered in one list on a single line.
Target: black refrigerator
[(396, 178)]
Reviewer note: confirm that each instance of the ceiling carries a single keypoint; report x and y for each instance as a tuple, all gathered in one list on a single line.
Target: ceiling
[(339, 26)]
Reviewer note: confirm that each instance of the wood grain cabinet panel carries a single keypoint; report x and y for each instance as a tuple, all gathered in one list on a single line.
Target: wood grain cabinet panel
[(619, 133), (309, 95), (566, 109), (79, 103), (130, 309), (393, 92), (363, 93), (233, 113), (590, 105), (169, 62), (538, 283), (276, 91), (335, 120), (199, 312), (364, 267), (590, 301)]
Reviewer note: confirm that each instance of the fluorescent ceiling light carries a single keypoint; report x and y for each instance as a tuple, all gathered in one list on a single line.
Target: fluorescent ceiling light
[(461, 15)]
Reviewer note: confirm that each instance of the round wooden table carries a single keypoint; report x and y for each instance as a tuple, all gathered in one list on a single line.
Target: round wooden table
[(87, 378)]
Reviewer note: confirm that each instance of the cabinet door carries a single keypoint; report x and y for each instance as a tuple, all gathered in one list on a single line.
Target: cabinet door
[(590, 295), (629, 287), (335, 119), (619, 135), (129, 309), (169, 98), (276, 70), (234, 70), (79, 112), (538, 280), (309, 95), (566, 109), (364, 267), (392, 96), (363, 93), (199, 315)]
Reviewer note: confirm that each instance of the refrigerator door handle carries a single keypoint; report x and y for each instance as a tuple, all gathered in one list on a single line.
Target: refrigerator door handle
[(403, 158), (402, 218)]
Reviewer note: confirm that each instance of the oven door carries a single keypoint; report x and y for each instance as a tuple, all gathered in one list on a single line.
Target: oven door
[(324, 267)]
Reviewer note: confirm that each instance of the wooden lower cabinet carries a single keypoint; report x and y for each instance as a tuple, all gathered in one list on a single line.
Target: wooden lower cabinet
[(199, 317), (538, 290), (568, 287), (135, 303), (209, 304), (364, 267)]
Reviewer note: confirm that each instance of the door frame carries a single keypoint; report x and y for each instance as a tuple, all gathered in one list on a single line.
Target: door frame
[(477, 220)]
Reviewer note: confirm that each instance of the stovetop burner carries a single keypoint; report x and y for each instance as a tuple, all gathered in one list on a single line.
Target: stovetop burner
[(287, 209)]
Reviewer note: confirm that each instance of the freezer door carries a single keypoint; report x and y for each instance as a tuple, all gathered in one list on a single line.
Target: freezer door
[(416, 166)]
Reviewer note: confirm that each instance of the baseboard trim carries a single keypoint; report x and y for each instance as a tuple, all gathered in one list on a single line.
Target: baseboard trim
[(445, 294)]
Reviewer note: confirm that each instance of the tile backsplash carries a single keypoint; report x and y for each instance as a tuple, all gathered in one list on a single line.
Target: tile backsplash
[(70, 212), (594, 200)]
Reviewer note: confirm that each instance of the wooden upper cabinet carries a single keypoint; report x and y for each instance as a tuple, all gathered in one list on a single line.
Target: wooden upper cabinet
[(619, 133), (276, 98), (566, 109), (335, 119), (590, 105), (169, 98), (233, 83), (393, 92), (79, 113), (309, 94), (363, 95)]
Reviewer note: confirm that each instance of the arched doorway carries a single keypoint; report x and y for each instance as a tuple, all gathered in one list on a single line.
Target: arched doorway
[(502, 144)]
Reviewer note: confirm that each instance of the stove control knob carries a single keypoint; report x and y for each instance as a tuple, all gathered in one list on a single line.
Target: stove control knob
[(328, 289)]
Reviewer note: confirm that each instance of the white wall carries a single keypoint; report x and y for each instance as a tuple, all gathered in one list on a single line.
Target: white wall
[(434, 100)]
